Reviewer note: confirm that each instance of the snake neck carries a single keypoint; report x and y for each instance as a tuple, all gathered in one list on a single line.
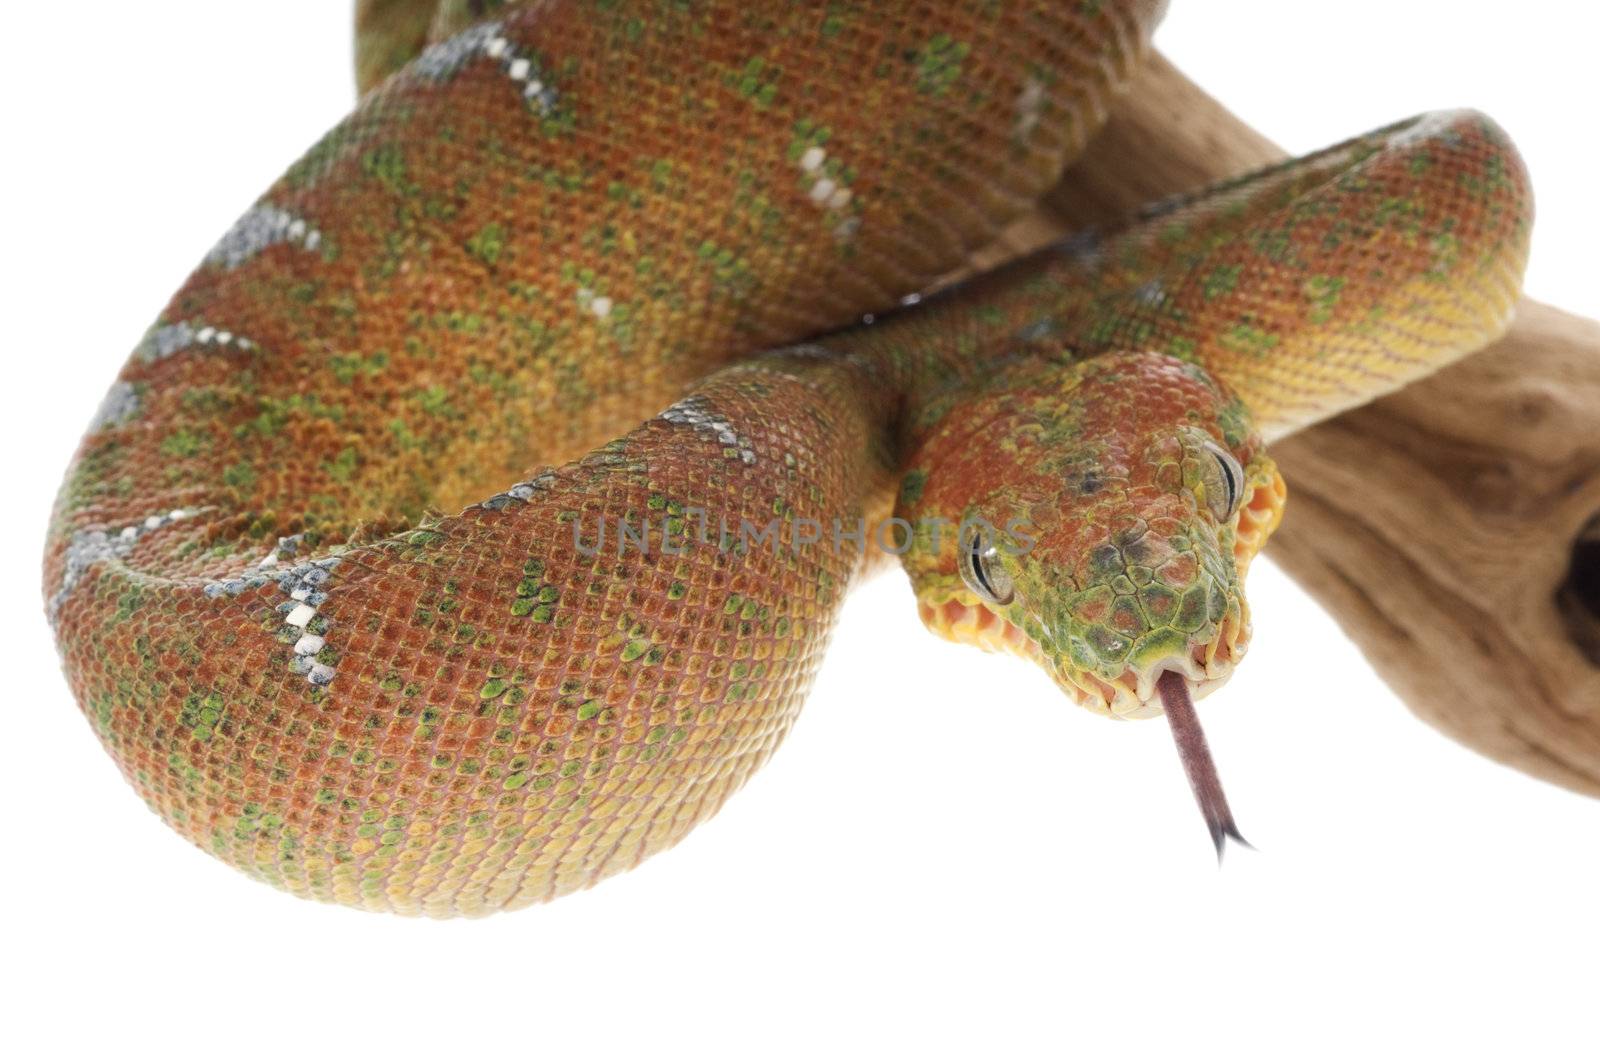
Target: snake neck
[(937, 352)]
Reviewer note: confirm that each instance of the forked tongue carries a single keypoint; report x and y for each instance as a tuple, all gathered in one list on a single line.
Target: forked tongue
[(1197, 763)]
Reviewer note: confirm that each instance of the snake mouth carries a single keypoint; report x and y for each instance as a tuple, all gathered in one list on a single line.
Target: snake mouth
[(1131, 695), (1205, 667), (1134, 694)]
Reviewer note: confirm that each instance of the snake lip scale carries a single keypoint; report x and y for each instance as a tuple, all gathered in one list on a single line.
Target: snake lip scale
[(570, 265)]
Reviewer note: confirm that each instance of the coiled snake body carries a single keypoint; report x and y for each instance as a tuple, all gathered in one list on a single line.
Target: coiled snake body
[(372, 581)]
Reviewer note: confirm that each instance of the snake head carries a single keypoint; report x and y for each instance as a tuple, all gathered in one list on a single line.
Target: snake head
[(1097, 519)]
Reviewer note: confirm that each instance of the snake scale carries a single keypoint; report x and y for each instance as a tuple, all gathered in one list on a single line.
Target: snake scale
[(472, 522)]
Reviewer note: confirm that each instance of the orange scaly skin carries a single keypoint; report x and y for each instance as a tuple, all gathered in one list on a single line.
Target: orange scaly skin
[(540, 233)]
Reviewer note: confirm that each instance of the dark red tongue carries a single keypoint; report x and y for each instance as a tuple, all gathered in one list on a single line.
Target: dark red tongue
[(1197, 763)]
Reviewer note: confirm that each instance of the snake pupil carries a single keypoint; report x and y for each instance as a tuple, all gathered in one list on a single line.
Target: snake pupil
[(1232, 481), (978, 569), (992, 585)]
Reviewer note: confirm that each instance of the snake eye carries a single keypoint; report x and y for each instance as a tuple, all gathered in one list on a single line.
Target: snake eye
[(1224, 482), (981, 569)]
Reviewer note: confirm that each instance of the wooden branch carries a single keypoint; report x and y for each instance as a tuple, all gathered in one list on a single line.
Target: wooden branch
[(1453, 529), (1444, 527)]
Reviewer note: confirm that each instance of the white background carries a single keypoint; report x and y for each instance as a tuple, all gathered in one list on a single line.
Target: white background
[(887, 885)]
